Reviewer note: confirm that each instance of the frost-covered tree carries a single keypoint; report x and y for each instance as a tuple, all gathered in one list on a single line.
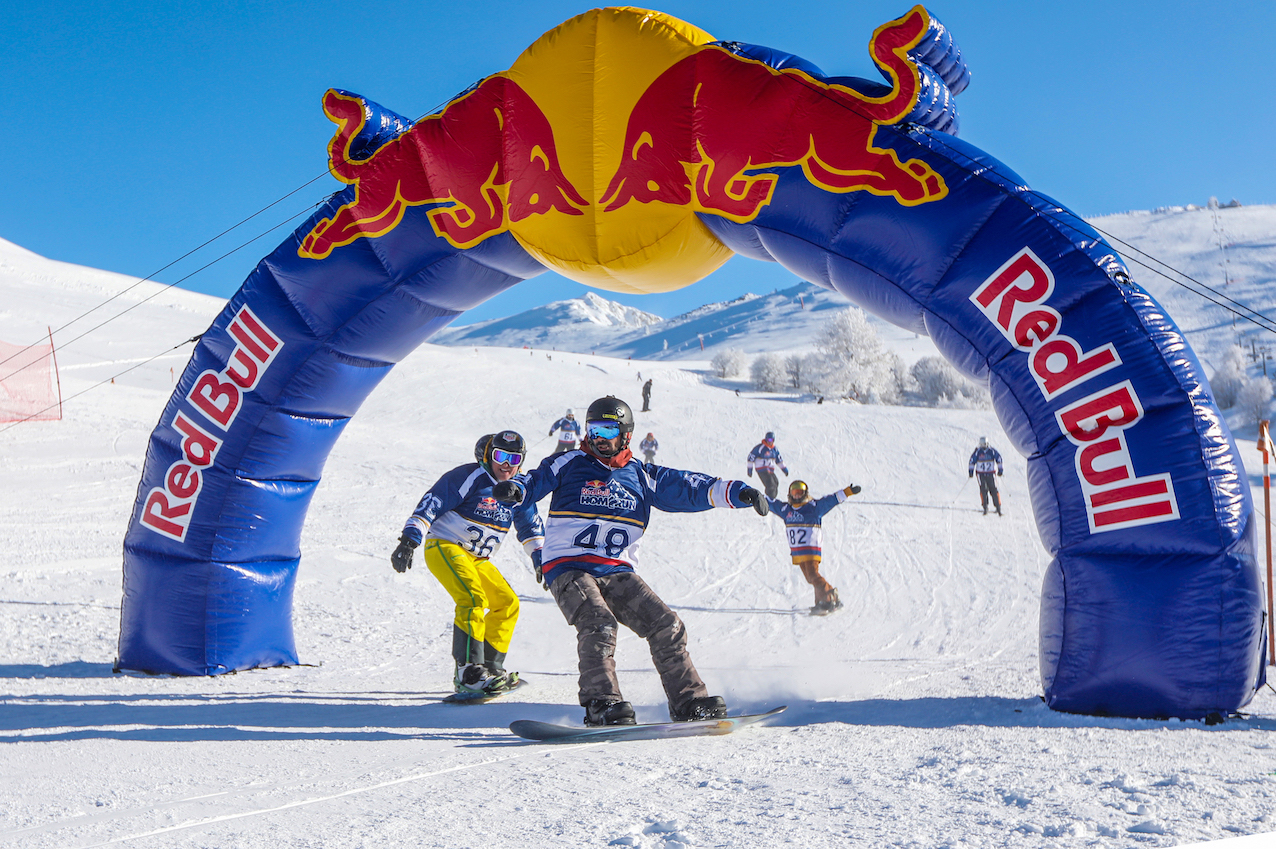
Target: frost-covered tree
[(795, 367), (941, 385), (768, 373), (853, 363), (1254, 399), (728, 363), (1229, 377)]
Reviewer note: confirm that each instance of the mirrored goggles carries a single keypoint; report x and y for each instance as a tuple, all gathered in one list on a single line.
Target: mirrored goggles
[(500, 456), (602, 430)]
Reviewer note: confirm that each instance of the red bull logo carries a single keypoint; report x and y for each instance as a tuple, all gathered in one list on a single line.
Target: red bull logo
[(488, 159), (746, 117), (688, 127)]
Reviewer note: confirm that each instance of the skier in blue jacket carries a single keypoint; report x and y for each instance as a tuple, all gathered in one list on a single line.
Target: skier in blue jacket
[(602, 501), (982, 462), (764, 458), (803, 522), (459, 527), (568, 430)]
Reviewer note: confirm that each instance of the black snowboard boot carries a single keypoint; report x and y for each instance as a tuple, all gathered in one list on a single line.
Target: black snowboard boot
[(705, 707), (609, 712)]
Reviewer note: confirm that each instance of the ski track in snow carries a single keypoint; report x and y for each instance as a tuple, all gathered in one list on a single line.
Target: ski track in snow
[(914, 720)]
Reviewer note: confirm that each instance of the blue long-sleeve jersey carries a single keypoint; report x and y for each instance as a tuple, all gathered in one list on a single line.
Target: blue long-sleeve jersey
[(598, 513), (459, 508), (805, 524), (984, 459), (766, 458), (568, 429)]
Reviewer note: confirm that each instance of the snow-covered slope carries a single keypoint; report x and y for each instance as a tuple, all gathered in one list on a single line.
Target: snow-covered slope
[(914, 715)]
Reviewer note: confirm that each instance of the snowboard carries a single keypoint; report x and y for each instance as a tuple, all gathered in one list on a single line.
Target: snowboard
[(549, 732), (482, 698)]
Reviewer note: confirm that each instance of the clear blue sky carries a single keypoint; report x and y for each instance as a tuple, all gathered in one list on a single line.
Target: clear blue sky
[(138, 131)]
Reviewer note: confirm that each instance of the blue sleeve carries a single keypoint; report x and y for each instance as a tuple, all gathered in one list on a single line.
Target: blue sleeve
[(445, 495), (776, 506), (527, 521), (540, 481), (828, 502), (691, 492)]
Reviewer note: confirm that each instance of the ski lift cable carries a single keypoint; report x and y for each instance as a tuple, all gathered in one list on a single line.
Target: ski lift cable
[(193, 251), (102, 382)]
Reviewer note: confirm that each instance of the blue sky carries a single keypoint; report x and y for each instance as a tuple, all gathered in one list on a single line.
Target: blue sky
[(137, 132)]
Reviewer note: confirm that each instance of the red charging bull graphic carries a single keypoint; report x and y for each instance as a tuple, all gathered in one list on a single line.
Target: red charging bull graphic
[(739, 116), (488, 159)]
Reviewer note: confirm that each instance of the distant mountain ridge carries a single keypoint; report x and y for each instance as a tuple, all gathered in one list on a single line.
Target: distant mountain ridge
[(785, 319), (1227, 247)]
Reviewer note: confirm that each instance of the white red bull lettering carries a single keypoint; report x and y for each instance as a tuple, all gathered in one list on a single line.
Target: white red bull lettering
[(1115, 497), (1019, 312), (1013, 300), (219, 396)]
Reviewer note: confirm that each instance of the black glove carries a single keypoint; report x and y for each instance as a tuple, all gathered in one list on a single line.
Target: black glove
[(786, 471), (536, 565), (970, 475), (998, 474), (853, 489), (749, 472), (401, 560), (508, 492), (752, 497)]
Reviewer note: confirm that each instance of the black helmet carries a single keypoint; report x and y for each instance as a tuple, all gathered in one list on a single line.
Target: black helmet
[(480, 447), (612, 409), (506, 440)]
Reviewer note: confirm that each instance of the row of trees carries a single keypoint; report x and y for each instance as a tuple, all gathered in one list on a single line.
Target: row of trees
[(851, 362)]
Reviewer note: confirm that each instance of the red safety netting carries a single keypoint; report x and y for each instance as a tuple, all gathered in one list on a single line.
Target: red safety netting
[(28, 384)]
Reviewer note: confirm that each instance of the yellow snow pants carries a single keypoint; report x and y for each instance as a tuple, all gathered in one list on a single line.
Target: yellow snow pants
[(486, 605)]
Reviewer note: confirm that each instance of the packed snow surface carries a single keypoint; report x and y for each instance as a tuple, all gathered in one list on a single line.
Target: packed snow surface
[(915, 716)]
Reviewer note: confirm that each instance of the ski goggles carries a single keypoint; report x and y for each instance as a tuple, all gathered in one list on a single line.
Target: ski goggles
[(500, 456), (602, 430)]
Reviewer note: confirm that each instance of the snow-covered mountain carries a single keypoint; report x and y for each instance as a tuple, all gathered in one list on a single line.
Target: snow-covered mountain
[(1178, 254), (579, 324)]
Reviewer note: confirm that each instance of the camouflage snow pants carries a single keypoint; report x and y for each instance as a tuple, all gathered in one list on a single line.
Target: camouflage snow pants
[(594, 605)]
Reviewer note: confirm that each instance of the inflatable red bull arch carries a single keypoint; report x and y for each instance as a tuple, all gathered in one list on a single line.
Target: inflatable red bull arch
[(636, 153)]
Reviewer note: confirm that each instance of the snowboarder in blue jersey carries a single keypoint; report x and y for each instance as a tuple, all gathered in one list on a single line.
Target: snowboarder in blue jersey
[(803, 522), (764, 458), (649, 446), (602, 502), (568, 430), (982, 462), (459, 527)]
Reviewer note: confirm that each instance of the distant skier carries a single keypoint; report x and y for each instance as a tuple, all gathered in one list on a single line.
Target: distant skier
[(602, 502), (459, 526), (764, 458), (982, 463), (649, 446), (646, 396), (803, 522), (568, 430)]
